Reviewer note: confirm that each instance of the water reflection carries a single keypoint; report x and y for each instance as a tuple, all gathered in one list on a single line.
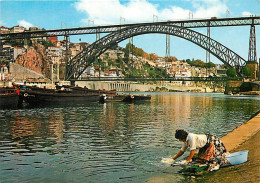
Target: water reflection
[(31, 132), (111, 142)]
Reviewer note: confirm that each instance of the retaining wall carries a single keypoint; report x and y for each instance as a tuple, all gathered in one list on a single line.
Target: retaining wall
[(127, 86)]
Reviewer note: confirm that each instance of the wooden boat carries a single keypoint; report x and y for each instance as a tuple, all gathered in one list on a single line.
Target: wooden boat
[(42, 96), (57, 97), (126, 98), (132, 98), (114, 98), (9, 98), (70, 94)]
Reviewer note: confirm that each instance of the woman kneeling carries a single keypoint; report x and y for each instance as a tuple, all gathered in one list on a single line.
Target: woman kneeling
[(210, 147)]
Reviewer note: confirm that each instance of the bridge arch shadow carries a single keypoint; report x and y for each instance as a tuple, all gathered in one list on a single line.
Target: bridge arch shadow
[(81, 61)]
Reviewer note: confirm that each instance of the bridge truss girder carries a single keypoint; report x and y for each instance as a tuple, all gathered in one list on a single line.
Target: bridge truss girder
[(80, 62)]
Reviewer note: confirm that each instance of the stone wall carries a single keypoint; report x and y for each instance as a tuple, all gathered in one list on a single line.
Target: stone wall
[(127, 86), (253, 67), (233, 87), (19, 72)]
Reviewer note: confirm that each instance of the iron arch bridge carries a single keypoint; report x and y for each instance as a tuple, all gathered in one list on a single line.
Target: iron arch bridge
[(78, 64)]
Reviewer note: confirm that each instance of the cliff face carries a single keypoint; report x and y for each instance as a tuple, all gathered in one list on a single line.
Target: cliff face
[(35, 58)]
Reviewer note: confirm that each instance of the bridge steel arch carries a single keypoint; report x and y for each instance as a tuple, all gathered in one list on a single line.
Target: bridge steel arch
[(80, 62)]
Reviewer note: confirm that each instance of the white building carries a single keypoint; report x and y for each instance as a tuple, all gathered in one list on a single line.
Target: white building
[(90, 70), (17, 29), (55, 54), (4, 30)]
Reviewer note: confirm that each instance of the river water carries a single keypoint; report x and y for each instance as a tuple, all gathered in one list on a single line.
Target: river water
[(111, 142)]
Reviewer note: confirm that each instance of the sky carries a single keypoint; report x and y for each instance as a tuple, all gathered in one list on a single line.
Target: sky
[(55, 14)]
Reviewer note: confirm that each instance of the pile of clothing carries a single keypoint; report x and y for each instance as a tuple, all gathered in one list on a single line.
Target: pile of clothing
[(196, 167)]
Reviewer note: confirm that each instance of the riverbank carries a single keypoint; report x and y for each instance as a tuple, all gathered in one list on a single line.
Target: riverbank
[(245, 137)]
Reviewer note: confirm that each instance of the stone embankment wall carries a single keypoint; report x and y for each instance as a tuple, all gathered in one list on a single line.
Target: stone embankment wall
[(126, 86), (233, 86), (242, 86), (20, 73)]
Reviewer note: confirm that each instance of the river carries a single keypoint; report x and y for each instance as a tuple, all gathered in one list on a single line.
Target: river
[(111, 142)]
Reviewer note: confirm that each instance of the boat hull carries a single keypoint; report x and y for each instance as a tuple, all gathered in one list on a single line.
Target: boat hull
[(9, 101), (38, 98), (127, 98)]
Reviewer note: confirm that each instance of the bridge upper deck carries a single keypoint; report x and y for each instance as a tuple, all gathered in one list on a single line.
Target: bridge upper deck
[(191, 23)]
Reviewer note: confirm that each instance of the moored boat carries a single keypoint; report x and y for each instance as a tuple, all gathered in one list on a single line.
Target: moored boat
[(9, 98), (126, 98), (43, 96), (132, 98), (56, 97), (70, 94)]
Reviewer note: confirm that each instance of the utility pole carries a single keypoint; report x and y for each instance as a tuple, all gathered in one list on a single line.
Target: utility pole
[(58, 70), (190, 15), (228, 13), (155, 18), (63, 23), (122, 20), (99, 64), (51, 68), (167, 54), (131, 45), (207, 52), (89, 23), (66, 54), (66, 38)]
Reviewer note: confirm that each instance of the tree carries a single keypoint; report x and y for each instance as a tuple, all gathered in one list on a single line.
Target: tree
[(172, 59), (145, 55), (210, 64), (153, 56), (135, 51), (246, 71), (138, 52), (231, 72), (114, 46), (46, 44)]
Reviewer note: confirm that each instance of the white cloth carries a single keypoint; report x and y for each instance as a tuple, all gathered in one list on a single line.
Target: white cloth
[(194, 141), (167, 160)]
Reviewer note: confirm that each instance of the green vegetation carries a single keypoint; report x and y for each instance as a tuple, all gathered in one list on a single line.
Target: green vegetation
[(246, 72), (138, 52), (146, 71), (134, 50), (129, 67), (46, 44), (200, 63), (231, 72)]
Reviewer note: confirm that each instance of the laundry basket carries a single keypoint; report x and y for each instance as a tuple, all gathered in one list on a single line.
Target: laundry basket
[(237, 157)]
